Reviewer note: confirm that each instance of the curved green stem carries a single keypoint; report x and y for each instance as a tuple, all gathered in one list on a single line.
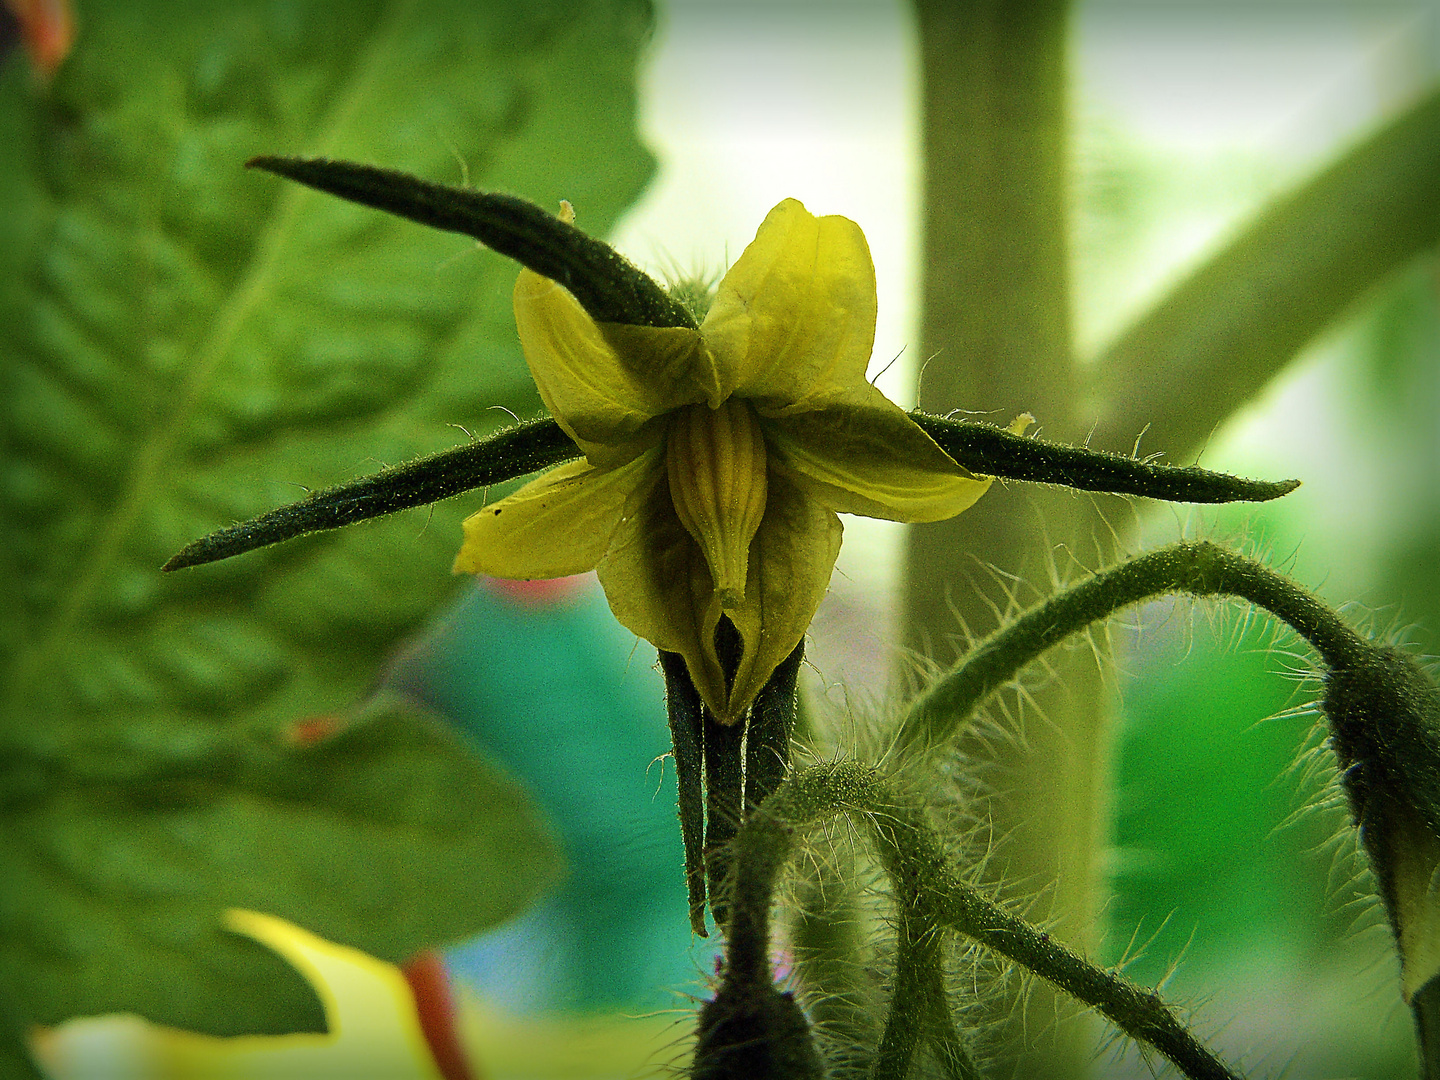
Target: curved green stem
[(1196, 568)]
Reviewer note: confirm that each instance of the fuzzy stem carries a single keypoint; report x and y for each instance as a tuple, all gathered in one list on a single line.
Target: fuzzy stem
[(905, 1024), (920, 1007), (930, 894), (1195, 568)]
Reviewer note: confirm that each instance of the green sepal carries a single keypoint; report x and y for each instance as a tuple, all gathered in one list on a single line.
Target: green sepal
[(993, 451), (505, 455), (607, 284)]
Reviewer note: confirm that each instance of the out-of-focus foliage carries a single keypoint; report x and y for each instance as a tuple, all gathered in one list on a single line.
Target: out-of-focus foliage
[(1222, 876), (1000, 334), (183, 343)]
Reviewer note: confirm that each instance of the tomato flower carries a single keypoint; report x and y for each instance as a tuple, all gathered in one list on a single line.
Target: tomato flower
[(715, 460)]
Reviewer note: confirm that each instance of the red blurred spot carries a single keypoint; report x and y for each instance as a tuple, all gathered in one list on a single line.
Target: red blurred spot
[(308, 732), (541, 593), (48, 28), (431, 986)]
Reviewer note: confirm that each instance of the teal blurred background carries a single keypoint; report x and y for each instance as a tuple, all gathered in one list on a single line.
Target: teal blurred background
[(541, 676)]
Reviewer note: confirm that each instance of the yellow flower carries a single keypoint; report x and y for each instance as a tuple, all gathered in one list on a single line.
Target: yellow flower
[(715, 459)]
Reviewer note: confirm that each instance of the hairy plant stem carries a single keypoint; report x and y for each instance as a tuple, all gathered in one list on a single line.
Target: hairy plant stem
[(1198, 569), (1383, 713), (929, 896), (749, 1030), (920, 1009)]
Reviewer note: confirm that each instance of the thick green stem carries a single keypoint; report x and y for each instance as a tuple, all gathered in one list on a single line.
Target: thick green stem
[(1242, 315), (996, 335)]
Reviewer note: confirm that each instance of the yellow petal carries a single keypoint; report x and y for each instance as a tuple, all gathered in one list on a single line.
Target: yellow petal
[(790, 566), (602, 384), (866, 456), (369, 1008), (373, 1031), (659, 587), (558, 524), (793, 322)]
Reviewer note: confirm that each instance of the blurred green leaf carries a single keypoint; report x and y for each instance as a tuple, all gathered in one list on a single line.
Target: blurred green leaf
[(184, 344), (387, 835), (1238, 319), (15, 1061)]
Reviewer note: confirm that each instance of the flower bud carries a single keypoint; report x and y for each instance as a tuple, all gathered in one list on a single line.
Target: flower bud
[(1384, 718)]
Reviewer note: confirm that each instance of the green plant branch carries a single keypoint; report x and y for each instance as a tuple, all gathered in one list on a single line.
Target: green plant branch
[(1197, 568), (1241, 316), (946, 1041), (929, 892), (906, 1022), (1382, 709), (920, 1008)]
